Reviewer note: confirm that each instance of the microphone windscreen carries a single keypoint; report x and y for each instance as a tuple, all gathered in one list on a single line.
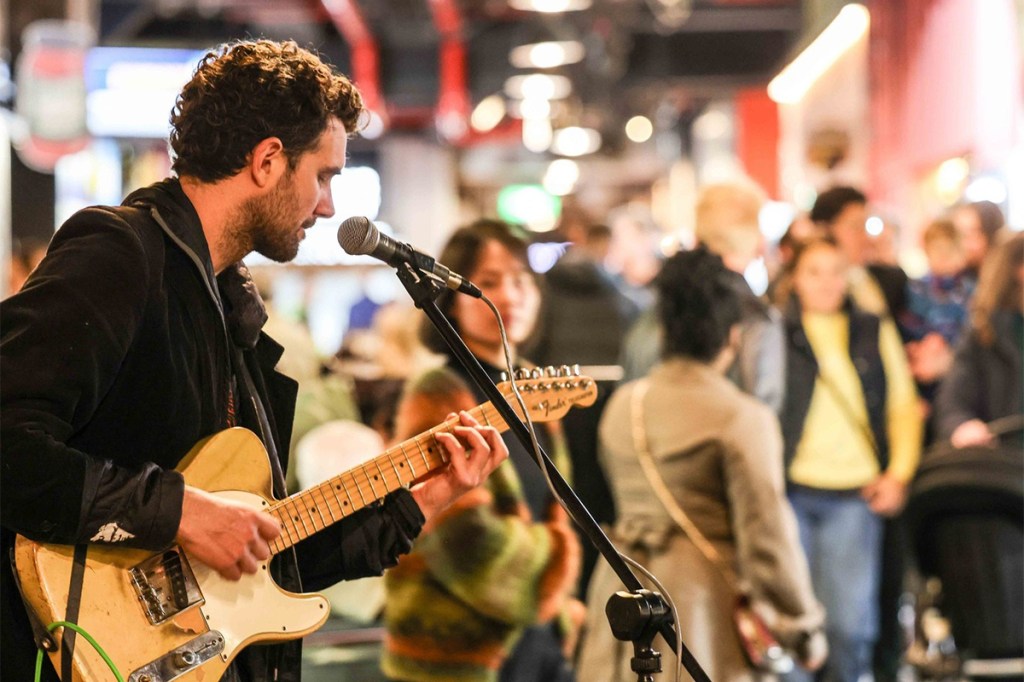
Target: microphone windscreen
[(358, 236)]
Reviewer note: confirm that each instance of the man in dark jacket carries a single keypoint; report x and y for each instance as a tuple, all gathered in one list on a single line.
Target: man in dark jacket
[(140, 334)]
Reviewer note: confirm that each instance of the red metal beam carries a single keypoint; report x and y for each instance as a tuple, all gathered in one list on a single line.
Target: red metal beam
[(351, 24), (453, 105)]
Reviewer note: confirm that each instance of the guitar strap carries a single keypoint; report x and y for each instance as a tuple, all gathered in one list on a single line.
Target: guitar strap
[(67, 642)]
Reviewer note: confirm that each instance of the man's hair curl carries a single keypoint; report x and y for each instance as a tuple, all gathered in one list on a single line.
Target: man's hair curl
[(245, 92)]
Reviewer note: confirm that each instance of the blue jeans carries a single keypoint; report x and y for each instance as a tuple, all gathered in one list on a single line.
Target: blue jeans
[(843, 542)]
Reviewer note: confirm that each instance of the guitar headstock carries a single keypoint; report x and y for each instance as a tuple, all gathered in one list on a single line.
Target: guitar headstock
[(550, 392)]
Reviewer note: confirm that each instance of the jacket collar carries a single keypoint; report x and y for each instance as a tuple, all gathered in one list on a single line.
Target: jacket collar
[(233, 292)]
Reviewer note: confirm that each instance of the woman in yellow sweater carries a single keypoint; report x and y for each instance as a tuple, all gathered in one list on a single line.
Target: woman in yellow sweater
[(852, 432)]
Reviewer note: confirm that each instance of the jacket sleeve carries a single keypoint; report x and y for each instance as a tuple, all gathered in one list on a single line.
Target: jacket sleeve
[(64, 337), (505, 567), (768, 547), (959, 398), (762, 359), (361, 545)]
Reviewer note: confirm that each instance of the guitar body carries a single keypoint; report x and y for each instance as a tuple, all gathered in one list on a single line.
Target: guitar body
[(197, 638)]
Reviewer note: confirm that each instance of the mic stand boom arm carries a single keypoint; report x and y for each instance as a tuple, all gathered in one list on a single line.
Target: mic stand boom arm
[(423, 291)]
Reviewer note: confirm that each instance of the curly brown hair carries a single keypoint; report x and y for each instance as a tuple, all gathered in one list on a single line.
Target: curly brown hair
[(247, 91)]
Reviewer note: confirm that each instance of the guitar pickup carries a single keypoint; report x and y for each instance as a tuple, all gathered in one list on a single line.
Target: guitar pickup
[(165, 585)]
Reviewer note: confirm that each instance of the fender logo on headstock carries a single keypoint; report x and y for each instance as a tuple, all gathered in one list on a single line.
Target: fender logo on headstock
[(561, 404)]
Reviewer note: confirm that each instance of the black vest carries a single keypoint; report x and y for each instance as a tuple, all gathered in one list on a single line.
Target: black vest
[(802, 370)]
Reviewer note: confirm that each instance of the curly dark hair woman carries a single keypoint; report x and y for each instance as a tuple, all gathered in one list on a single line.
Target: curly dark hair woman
[(248, 91), (697, 303)]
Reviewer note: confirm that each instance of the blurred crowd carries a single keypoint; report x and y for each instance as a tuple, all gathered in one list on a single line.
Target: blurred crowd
[(788, 427)]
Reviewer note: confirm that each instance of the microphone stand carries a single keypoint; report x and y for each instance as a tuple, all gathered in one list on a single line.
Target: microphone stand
[(635, 616)]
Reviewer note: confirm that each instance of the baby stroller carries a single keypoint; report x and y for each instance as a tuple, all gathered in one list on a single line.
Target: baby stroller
[(965, 518)]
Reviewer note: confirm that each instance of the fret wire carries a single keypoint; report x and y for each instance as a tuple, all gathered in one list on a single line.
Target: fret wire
[(500, 422), (301, 518), (358, 488), (348, 495), (408, 460), (326, 501), (383, 478), (422, 453), (334, 491), (285, 523), (373, 491), (433, 432), (304, 499), (398, 476), (316, 507)]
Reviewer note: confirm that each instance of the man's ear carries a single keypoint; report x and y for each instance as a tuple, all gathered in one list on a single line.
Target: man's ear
[(267, 162)]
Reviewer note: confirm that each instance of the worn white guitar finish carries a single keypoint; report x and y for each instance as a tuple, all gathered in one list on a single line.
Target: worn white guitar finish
[(164, 617)]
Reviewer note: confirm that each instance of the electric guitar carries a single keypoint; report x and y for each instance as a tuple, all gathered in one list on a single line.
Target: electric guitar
[(163, 616)]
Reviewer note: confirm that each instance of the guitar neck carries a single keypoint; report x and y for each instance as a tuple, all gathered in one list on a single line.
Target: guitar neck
[(311, 511)]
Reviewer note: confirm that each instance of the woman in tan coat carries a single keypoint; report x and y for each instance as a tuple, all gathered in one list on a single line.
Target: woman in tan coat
[(719, 452)]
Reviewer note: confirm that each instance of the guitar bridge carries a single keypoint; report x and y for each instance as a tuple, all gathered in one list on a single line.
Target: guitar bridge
[(165, 585), (184, 659)]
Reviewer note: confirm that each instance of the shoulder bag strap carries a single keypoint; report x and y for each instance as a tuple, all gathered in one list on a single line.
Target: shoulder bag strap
[(665, 496), (848, 411)]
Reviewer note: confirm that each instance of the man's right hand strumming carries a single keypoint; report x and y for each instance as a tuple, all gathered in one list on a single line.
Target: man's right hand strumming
[(229, 537)]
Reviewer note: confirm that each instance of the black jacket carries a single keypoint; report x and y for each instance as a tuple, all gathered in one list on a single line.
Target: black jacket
[(584, 316), (985, 381), (121, 352)]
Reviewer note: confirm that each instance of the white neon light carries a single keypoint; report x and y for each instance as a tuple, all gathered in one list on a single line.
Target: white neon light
[(793, 82)]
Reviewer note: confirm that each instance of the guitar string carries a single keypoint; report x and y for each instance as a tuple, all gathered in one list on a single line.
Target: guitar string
[(299, 502)]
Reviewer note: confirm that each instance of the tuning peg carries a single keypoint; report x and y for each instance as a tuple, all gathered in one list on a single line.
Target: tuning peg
[(522, 374), (536, 373), (575, 370), (550, 371), (503, 377), (565, 371)]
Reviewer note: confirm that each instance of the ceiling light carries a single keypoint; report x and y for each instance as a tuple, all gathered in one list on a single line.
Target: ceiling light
[(538, 85), (561, 176), (549, 5), (874, 226), (488, 113), (575, 141), (537, 134), (950, 178), (639, 129), (546, 55), (535, 107), (793, 82), (713, 124), (374, 127)]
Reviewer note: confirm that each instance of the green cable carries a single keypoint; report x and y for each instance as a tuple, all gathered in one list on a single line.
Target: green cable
[(65, 624)]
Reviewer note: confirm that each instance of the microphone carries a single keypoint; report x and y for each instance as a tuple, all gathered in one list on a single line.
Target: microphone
[(360, 237)]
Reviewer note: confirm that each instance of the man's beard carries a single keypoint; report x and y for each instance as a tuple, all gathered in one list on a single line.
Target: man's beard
[(267, 220)]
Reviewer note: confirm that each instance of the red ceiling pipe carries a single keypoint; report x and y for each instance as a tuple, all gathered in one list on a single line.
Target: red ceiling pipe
[(352, 26), (453, 107)]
